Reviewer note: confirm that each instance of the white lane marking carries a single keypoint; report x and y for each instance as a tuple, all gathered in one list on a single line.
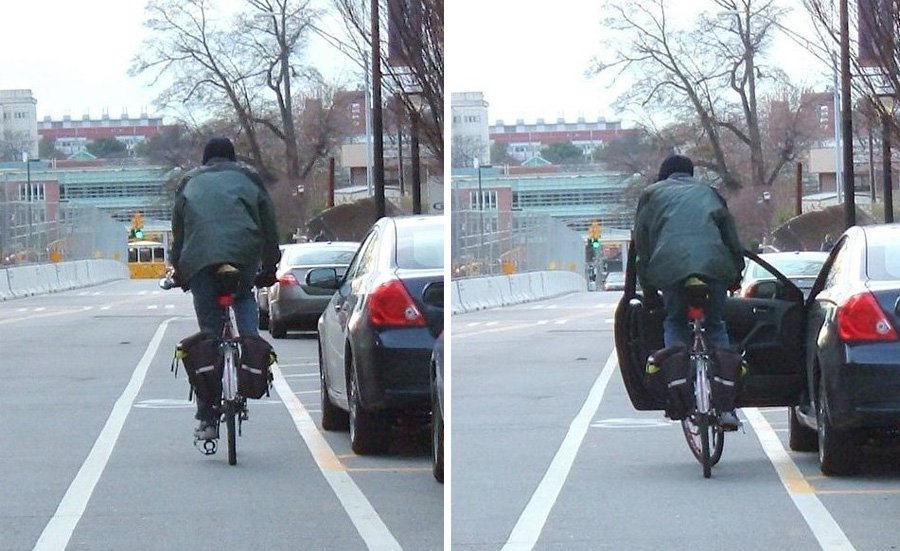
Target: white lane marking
[(59, 529), (561, 322), (170, 306), (40, 309), (371, 528), (636, 423), (825, 529), (153, 307), (543, 322), (105, 307), (307, 392), (491, 323), (295, 375), (528, 528)]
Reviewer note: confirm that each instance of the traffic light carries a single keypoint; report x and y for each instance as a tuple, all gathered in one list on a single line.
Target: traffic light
[(137, 225), (595, 243)]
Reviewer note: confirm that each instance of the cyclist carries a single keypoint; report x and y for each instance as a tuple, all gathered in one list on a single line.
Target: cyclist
[(222, 214), (683, 228)]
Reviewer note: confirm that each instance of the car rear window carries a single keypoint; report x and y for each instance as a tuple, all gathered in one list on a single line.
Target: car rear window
[(420, 246), (791, 267), (312, 256), (883, 262)]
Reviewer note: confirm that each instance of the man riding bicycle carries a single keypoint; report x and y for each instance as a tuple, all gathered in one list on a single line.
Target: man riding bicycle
[(683, 228), (222, 214)]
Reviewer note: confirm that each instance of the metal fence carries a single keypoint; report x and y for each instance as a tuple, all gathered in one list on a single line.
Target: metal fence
[(39, 232), (493, 243)]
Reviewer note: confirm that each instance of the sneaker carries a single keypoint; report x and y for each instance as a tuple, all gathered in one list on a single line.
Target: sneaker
[(207, 430), (729, 421)]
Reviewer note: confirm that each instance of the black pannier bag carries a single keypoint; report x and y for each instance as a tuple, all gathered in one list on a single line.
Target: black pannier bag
[(668, 375), (726, 378), (200, 355), (254, 375)]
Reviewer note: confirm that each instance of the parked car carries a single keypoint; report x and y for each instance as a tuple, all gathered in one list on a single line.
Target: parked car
[(801, 267), (292, 304), (852, 384), (437, 409), (377, 334), (833, 357), (262, 301), (615, 281)]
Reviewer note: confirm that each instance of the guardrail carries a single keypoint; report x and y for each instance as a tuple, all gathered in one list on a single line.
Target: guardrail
[(477, 293), (36, 279)]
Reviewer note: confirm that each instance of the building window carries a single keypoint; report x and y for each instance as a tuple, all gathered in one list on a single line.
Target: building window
[(489, 198)]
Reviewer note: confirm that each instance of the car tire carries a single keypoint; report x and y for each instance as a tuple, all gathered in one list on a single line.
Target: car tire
[(801, 438), (368, 429), (837, 450), (276, 326), (437, 437), (333, 417), (263, 319)]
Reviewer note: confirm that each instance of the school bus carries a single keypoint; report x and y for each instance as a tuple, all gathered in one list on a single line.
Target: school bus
[(147, 259)]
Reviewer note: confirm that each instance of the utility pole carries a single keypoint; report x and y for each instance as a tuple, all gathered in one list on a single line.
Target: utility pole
[(377, 122), (847, 119)]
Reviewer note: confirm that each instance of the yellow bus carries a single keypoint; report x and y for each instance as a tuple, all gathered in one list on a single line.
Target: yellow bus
[(147, 259)]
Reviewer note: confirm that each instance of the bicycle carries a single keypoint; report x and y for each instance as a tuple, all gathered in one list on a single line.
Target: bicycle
[(704, 434), (232, 406)]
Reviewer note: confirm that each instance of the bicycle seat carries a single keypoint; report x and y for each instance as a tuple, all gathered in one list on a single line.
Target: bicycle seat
[(696, 292), (228, 279)]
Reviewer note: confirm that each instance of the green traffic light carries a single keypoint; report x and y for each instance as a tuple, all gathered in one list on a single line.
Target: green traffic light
[(595, 243), (139, 233)]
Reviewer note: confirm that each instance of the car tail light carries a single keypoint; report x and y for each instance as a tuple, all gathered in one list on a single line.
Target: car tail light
[(391, 305), (287, 279), (861, 319)]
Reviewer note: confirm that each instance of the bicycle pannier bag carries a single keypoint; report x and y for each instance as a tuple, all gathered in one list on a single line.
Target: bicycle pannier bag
[(254, 375), (674, 366), (726, 378), (199, 353)]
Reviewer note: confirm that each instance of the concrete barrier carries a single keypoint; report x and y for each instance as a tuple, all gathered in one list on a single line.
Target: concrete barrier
[(477, 293), (36, 279)]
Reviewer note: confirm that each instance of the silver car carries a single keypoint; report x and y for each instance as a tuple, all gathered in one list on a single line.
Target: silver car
[(292, 304)]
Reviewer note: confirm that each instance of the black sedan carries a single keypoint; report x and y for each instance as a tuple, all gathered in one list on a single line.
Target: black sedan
[(377, 334), (852, 386), (833, 358)]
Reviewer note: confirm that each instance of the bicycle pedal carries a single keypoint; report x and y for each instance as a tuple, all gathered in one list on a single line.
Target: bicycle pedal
[(208, 447)]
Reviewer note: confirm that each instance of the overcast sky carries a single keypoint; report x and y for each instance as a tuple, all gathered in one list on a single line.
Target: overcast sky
[(529, 57), (74, 56)]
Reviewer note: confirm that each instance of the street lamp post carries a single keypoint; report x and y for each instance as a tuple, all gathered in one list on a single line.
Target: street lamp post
[(887, 103)]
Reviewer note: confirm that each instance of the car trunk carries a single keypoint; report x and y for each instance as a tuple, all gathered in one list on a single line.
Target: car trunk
[(426, 287)]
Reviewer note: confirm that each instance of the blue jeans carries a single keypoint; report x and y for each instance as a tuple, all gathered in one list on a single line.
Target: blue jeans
[(675, 326), (210, 314), (206, 304)]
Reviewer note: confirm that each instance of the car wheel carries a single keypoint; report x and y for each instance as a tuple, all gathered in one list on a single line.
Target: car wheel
[(801, 437), (333, 417), (276, 326), (368, 434), (437, 437), (837, 452), (263, 319)]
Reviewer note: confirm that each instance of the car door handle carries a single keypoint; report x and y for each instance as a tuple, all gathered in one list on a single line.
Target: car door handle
[(761, 309)]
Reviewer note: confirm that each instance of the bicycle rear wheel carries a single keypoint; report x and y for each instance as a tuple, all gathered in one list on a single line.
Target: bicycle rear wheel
[(230, 416)]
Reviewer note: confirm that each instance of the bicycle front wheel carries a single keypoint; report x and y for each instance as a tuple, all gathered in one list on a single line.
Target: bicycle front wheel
[(706, 440)]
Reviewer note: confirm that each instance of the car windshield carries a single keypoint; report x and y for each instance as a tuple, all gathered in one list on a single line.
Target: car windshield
[(421, 245), (314, 256), (790, 266)]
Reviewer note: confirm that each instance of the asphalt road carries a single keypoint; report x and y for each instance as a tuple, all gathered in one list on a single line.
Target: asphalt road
[(549, 454), (97, 446)]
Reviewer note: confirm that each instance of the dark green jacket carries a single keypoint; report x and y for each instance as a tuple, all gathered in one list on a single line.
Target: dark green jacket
[(683, 228), (222, 213)]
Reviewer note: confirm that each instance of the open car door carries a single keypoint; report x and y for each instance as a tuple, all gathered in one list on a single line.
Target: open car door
[(768, 330)]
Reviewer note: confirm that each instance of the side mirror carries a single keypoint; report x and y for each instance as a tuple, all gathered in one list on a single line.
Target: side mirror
[(323, 278)]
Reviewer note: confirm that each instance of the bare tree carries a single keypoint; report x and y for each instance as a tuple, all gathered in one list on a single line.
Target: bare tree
[(416, 69), (714, 74)]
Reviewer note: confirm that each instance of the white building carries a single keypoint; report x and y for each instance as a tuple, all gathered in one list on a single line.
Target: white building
[(18, 122), (469, 128)]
